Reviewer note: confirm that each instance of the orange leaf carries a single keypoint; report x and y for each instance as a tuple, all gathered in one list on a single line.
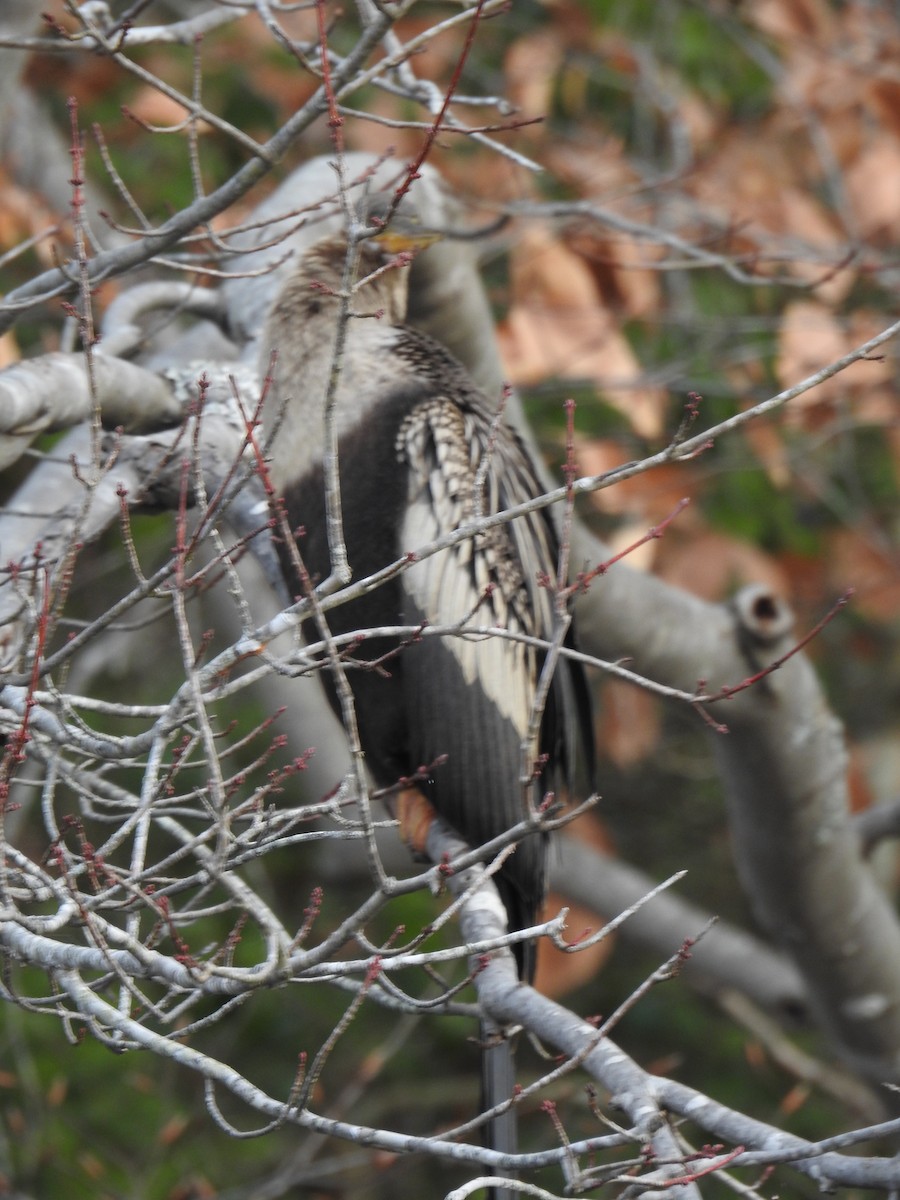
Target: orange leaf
[(172, 1130), (795, 1099)]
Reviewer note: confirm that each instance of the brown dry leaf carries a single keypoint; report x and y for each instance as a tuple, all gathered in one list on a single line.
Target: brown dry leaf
[(437, 57), (857, 561), (648, 497), (873, 26), (846, 138), (557, 326), (154, 108), (712, 565), (872, 184), (287, 90), (543, 268), (598, 168), (644, 501), (376, 138), (485, 174), (806, 583), (557, 972), (743, 183), (596, 456), (822, 80), (795, 1099), (628, 541), (531, 66), (884, 99), (804, 218), (172, 1130), (9, 349), (810, 338), (875, 400), (628, 728), (22, 215), (87, 78), (622, 270), (791, 20), (698, 118), (771, 450), (755, 182), (633, 499)]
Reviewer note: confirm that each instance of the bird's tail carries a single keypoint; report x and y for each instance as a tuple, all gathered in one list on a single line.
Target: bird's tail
[(498, 1080)]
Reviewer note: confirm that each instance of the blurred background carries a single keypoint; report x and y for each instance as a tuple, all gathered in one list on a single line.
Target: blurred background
[(767, 135)]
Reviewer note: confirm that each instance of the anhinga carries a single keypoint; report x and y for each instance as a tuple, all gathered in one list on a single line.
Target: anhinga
[(421, 452)]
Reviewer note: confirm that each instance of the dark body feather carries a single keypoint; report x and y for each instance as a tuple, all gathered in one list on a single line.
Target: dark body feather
[(409, 459)]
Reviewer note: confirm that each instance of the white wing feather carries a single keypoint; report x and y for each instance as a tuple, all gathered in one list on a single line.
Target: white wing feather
[(465, 583)]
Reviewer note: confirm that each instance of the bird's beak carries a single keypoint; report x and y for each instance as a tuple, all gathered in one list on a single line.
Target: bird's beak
[(402, 237)]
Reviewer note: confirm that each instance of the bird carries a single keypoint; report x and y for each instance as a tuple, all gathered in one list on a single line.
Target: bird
[(421, 452)]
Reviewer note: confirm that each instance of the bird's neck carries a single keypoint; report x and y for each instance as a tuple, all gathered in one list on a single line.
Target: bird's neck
[(345, 376), (324, 363)]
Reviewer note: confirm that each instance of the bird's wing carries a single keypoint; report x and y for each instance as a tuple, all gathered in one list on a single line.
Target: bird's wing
[(481, 580), (470, 699)]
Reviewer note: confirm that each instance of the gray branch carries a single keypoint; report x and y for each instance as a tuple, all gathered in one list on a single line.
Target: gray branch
[(56, 391)]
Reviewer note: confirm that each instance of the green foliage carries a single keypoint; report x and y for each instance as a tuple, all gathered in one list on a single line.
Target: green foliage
[(709, 55), (744, 503)]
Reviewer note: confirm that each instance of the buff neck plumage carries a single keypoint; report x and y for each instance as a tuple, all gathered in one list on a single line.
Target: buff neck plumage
[(302, 328)]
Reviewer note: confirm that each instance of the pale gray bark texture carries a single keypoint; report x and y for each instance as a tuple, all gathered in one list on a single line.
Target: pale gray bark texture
[(55, 391)]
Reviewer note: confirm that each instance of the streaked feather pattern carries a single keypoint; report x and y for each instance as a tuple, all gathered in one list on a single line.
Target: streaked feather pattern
[(478, 581)]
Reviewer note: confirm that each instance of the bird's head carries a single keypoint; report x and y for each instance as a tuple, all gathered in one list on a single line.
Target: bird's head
[(375, 272), (370, 278)]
